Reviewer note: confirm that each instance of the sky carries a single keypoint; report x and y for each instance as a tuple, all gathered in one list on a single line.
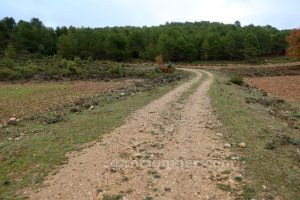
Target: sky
[(282, 14)]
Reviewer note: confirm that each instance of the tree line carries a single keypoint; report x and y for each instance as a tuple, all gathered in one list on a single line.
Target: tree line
[(197, 41)]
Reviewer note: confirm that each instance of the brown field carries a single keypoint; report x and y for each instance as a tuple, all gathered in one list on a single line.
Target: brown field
[(24, 99), (286, 87)]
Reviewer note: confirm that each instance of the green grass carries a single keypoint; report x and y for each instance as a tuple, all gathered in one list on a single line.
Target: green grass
[(224, 187), (276, 169), (26, 161)]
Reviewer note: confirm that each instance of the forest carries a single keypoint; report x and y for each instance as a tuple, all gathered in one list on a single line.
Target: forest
[(176, 42)]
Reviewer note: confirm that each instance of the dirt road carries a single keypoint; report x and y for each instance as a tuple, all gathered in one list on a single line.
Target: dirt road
[(167, 150)]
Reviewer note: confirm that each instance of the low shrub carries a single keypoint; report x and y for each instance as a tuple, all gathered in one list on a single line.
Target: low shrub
[(7, 63), (10, 74), (117, 71), (236, 79)]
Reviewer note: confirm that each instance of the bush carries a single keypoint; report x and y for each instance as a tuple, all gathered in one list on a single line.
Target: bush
[(53, 119), (9, 74), (72, 69), (236, 79), (28, 70), (171, 67), (117, 71), (7, 62), (77, 60)]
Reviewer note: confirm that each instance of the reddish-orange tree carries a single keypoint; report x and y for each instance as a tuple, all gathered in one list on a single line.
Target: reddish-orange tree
[(294, 44)]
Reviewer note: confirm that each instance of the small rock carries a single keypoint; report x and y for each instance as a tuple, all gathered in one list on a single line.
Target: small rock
[(167, 189), (219, 134), (264, 187), (242, 145), (137, 155), (235, 157), (122, 94), (9, 138), (12, 119), (227, 145), (92, 107)]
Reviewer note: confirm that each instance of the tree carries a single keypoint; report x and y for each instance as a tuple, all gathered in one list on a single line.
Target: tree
[(7, 25), (64, 47), (251, 44), (237, 24), (294, 44), (233, 45), (34, 37), (166, 46), (136, 44), (215, 46), (279, 44), (116, 47), (10, 52), (175, 41), (205, 49)]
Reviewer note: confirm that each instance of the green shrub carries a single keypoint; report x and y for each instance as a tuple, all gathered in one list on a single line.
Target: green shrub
[(77, 60), (171, 67), (113, 197), (249, 193), (90, 59), (27, 71), (72, 69), (9, 74), (117, 71), (236, 79), (7, 62)]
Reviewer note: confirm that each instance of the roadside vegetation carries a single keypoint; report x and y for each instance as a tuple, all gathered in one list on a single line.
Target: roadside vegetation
[(270, 128)]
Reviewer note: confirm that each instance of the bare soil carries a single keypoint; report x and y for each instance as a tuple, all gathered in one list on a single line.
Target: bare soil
[(286, 87), (166, 150), (28, 98)]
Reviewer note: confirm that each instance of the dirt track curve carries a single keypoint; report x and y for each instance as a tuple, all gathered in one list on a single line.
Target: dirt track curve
[(166, 150)]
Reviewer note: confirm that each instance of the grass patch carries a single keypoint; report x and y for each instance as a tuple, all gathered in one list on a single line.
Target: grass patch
[(154, 173), (278, 169), (224, 187), (148, 198), (113, 197), (32, 149)]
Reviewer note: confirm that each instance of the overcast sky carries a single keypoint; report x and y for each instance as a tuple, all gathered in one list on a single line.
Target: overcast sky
[(283, 14)]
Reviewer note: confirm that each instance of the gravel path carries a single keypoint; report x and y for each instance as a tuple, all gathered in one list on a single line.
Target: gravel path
[(166, 150)]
